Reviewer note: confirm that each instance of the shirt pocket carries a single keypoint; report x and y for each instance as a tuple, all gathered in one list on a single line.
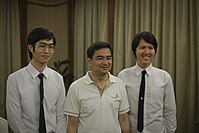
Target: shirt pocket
[(113, 102), (51, 95), (88, 106), (154, 98)]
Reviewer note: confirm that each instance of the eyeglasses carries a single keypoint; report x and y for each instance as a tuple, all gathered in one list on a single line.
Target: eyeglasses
[(44, 47)]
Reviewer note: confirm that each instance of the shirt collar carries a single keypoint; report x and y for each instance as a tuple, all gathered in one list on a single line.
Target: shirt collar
[(34, 72), (88, 80), (139, 69)]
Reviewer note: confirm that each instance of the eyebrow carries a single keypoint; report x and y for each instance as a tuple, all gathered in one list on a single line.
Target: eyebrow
[(103, 56), (46, 43)]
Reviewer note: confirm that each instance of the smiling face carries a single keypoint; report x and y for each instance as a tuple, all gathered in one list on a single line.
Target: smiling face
[(101, 61), (145, 54), (42, 52)]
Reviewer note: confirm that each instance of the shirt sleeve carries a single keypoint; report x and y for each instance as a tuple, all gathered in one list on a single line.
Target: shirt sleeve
[(169, 110), (13, 106), (72, 104), (61, 118), (124, 105)]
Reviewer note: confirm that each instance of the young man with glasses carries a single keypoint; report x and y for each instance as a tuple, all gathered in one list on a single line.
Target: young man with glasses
[(34, 103)]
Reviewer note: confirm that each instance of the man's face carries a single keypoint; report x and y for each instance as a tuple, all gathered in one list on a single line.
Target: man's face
[(101, 61), (43, 51), (145, 53)]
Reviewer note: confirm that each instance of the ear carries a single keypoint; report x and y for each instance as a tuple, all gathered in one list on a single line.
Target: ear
[(30, 48), (89, 63)]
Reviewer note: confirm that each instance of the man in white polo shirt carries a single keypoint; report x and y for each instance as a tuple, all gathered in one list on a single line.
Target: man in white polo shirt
[(97, 102)]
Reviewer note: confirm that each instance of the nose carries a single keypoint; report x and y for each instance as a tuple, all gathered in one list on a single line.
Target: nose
[(147, 50), (46, 49), (105, 61)]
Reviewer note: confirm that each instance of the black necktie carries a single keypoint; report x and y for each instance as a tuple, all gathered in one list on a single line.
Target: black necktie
[(42, 124), (141, 103)]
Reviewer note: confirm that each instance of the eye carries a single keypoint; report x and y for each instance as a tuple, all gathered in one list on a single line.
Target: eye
[(141, 47), (51, 46), (42, 46), (109, 58), (151, 48), (99, 58), (45, 46)]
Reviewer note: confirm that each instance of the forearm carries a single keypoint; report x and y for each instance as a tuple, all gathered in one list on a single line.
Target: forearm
[(72, 124), (171, 123), (61, 118), (124, 123), (14, 119), (61, 124), (71, 129), (125, 129), (13, 108), (169, 110)]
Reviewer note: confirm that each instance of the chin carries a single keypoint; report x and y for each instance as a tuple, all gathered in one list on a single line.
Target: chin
[(44, 62), (105, 72), (146, 61), (146, 64)]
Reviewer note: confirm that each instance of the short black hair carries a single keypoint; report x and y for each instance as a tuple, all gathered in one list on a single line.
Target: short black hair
[(37, 34), (96, 46), (147, 36)]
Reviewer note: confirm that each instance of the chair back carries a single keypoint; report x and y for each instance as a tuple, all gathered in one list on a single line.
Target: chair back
[(3, 125)]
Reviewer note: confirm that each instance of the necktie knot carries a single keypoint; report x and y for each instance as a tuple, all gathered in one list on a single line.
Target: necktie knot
[(41, 75), (143, 72)]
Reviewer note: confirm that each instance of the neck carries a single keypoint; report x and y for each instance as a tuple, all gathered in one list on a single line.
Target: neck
[(143, 66), (40, 67), (98, 78)]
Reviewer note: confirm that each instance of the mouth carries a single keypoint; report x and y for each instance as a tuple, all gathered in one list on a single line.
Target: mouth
[(45, 57), (105, 68), (146, 58)]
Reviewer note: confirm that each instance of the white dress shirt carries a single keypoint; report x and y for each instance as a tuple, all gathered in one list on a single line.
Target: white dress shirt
[(22, 101), (159, 103)]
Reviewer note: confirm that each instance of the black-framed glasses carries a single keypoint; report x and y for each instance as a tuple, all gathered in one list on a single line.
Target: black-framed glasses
[(44, 47)]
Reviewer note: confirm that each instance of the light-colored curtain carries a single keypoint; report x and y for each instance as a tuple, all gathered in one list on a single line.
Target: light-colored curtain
[(9, 45), (90, 25), (133, 16), (175, 23)]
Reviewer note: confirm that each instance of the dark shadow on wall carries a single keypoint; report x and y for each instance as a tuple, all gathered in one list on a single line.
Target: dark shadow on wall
[(62, 67)]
